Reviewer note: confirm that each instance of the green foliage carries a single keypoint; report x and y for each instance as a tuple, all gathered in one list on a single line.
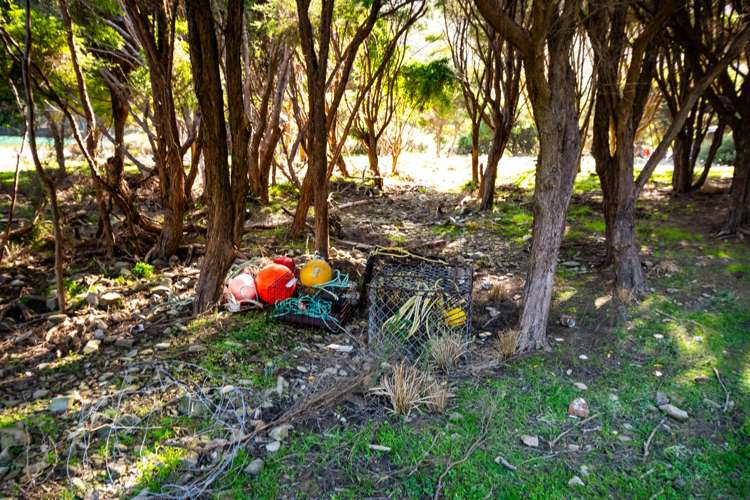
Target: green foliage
[(143, 270), (429, 84), (523, 140), (724, 155), (485, 141)]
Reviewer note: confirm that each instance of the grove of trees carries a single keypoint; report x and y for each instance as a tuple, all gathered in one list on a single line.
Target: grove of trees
[(231, 95)]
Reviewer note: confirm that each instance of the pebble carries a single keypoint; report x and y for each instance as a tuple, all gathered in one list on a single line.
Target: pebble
[(109, 298), (583, 357), (674, 412), (40, 393), (624, 438), (99, 334), (585, 471), (575, 481), (126, 343), (280, 433), (661, 398), (580, 386), (56, 319), (531, 441), (579, 408), (255, 467), (60, 404), (162, 346), (91, 346), (302, 369), (196, 348), (92, 299), (273, 446)]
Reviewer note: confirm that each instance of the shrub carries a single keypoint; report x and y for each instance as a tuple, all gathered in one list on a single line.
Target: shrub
[(724, 155), (143, 270)]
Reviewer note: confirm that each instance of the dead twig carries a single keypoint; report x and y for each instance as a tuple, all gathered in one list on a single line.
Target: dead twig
[(647, 444), (577, 424), (726, 391)]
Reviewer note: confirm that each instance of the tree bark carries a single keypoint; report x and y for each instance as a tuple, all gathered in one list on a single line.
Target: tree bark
[(47, 181), (740, 195), (487, 187), (682, 173), (712, 150), (57, 128), (204, 56), (475, 152)]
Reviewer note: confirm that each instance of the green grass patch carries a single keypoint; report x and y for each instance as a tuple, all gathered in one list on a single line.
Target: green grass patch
[(142, 270)]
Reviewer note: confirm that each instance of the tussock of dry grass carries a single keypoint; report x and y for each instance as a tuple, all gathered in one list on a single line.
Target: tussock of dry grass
[(507, 343), (409, 389), (446, 350)]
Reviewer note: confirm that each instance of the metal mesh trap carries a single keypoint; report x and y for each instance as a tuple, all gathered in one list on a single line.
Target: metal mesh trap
[(412, 300)]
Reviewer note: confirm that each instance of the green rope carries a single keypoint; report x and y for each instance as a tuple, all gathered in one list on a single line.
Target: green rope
[(311, 306)]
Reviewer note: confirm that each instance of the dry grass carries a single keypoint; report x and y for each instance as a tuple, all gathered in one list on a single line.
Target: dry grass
[(446, 350), (507, 343), (409, 389)]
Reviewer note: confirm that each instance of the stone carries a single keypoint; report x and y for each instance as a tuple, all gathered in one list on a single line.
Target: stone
[(575, 482), (60, 404), (578, 408), (674, 412), (99, 334), (585, 471), (273, 446), (583, 357), (567, 321), (161, 290), (17, 282), (191, 407), (331, 371), (661, 399), (580, 386), (573, 447), (91, 346), (280, 433), (196, 348), (531, 441), (92, 299), (110, 299), (124, 342), (302, 369), (39, 394), (624, 438), (51, 303), (255, 467), (56, 319), (162, 346)]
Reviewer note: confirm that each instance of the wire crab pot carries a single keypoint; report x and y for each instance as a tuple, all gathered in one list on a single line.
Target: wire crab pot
[(414, 299)]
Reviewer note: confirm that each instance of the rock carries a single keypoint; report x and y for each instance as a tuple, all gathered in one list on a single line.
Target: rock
[(191, 407), (51, 303), (661, 399), (674, 412), (39, 394), (161, 290), (56, 319), (60, 404), (162, 346), (573, 447), (455, 417), (91, 346), (624, 438), (255, 467), (125, 273), (92, 299), (583, 357), (302, 369), (17, 282), (273, 446), (575, 482), (196, 348), (110, 299), (99, 334), (531, 441), (124, 342), (585, 470), (14, 436), (580, 386), (331, 371), (567, 321), (280, 433), (578, 408)]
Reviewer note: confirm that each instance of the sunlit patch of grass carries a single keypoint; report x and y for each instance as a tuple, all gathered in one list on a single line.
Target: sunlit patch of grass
[(666, 235), (157, 466)]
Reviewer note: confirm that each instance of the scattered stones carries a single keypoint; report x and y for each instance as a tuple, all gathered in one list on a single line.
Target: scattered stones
[(575, 482), (531, 441), (580, 386), (661, 399), (110, 299), (60, 404), (91, 346), (273, 446), (578, 408), (255, 467), (674, 412), (280, 433)]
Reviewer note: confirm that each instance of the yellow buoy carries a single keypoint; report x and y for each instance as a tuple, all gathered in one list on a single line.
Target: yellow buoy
[(454, 317), (316, 272)]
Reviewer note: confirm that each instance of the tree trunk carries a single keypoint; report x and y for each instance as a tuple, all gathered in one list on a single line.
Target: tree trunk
[(475, 152), (715, 144), (371, 141), (499, 139), (58, 137), (204, 56), (46, 179), (557, 164), (682, 173), (738, 201)]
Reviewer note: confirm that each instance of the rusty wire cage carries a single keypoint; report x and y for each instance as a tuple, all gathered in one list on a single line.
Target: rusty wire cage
[(413, 300)]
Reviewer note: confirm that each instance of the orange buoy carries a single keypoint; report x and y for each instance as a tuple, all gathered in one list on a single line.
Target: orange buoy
[(275, 283)]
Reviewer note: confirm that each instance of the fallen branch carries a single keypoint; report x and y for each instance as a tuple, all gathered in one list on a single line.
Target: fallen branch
[(650, 437), (726, 391), (577, 424)]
